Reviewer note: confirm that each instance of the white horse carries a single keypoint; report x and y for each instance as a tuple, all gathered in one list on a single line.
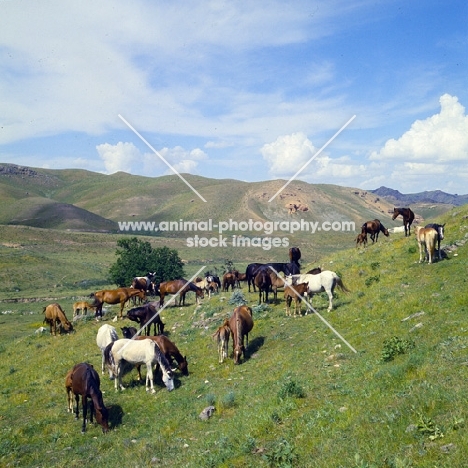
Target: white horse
[(325, 281), (105, 335), (138, 352)]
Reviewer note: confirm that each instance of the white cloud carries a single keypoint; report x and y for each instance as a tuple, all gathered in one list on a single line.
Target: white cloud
[(119, 157), (287, 154), (442, 137)]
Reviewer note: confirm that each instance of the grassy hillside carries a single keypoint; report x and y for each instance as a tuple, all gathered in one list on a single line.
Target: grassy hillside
[(302, 398)]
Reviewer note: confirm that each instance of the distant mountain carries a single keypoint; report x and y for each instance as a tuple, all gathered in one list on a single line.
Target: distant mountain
[(434, 196)]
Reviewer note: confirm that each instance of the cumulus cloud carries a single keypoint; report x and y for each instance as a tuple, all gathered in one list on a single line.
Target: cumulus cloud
[(440, 138), (118, 157), (182, 160), (287, 154)]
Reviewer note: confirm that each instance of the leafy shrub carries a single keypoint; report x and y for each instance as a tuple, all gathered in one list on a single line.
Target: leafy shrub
[(291, 389), (237, 298), (280, 454), (372, 279), (394, 346)]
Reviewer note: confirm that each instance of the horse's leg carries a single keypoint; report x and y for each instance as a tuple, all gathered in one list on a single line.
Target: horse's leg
[(330, 299), (149, 377), (77, 409), (420, 251), (84, 404)]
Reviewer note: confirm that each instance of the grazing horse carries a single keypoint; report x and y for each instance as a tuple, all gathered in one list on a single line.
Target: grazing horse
[(240, 323), (294, 255), (240, 277), (324, 281), (115, 296), (222, 338), (373, 228), (82, 306), (54, 315), (167, 347), (263, 282), (182, 287), (106, 334), (145, 315), (427, 238), (408, 218), (137, 352), (84, 381), (286, 268), (440, 235), (361, 239), (229, 279), (207, 285), (294, 293)]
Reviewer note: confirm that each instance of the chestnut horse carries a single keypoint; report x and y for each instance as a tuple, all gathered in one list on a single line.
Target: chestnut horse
[(222, 338), (181, 287), (54, 315), (240, 323), (373, 228), (114, 296), (408, 218), (84, 381), (229, 279), (294, 293), (167, 347)]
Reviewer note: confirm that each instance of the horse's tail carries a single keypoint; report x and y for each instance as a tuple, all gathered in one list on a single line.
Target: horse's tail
[(108, 356), (340, 284)]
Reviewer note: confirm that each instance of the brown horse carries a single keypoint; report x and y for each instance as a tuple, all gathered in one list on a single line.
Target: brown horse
[(229, 279), (408, 218), (145, 283), (147, 315), (361, 239), (294, 293), (263, 282), (167, 347), (294, 255), (84, 381), (114, 296), (222, 338), (277, 282), (54, 315), (427, 238), (373, 228), (82, 306), (240, 323), (181, 287)]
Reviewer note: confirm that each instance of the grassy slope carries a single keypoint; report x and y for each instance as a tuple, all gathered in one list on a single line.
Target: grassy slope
[(357, 410)]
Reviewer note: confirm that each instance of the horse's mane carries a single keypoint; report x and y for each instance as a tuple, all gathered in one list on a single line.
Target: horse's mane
[(161, 358)]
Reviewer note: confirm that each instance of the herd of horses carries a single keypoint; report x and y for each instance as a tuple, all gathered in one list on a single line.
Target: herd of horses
[(138, 347)]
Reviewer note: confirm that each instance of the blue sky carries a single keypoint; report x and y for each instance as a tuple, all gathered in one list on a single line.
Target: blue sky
[(237, 89)]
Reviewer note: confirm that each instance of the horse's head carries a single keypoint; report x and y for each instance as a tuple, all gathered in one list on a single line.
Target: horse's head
[(238, 351), (168, 379), (395, 213), (102, 418), (440, 231)]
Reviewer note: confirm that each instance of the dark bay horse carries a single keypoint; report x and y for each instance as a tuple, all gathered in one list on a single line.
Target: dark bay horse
[(294, 255), (287, 268), (263, 282), (84, 381), (408, 218), (146, 315), (373, 228), (440, 234), (182, 287), (240, 323)]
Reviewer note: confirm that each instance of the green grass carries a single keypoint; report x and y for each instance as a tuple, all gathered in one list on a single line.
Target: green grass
[(303, 398)]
